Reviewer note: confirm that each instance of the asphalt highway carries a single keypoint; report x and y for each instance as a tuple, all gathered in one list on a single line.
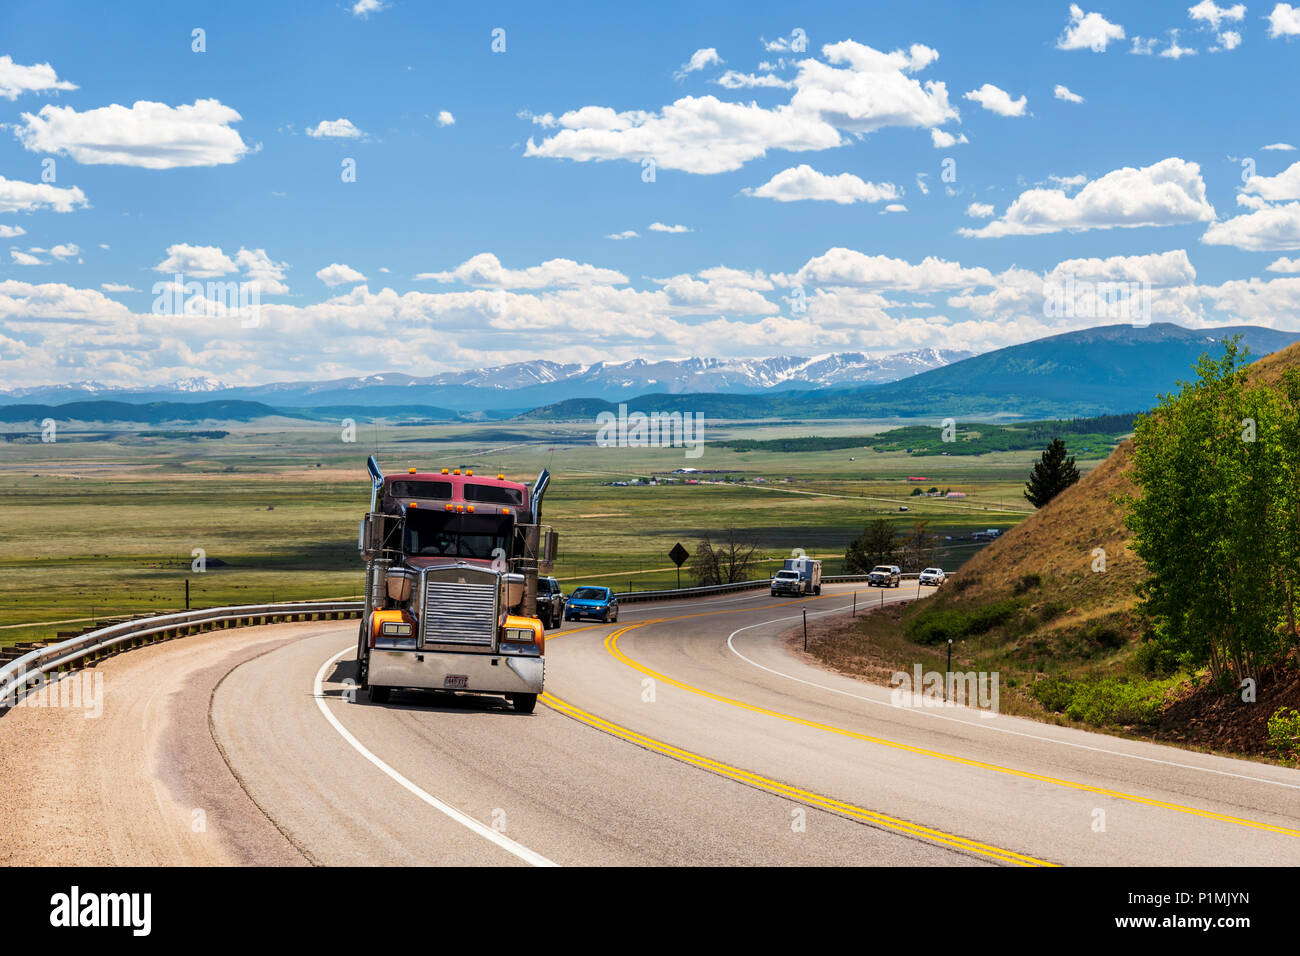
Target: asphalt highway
[(685, 733)]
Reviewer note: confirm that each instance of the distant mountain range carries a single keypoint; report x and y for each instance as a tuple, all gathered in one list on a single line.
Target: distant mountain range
[(1107, 370), (525, 385)]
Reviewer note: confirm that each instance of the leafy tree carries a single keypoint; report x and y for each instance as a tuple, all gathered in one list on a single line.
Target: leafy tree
[(878, 544), (1053, 473), (919, 547), (1218, 516)]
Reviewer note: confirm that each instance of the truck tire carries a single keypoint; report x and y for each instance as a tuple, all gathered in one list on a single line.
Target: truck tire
[(523, 703), (379, 695)]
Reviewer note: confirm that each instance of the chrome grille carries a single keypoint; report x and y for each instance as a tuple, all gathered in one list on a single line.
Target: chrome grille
[(456, 613)]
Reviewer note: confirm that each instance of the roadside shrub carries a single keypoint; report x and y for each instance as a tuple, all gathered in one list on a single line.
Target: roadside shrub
[(1109, 700), (1155, 658), (933, 626), (1054, 693), (1284, 733), (1107, 635), (1052, 610), (1027, 583)]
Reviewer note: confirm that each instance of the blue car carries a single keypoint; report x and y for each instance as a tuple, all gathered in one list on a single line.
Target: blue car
[(598, 603)]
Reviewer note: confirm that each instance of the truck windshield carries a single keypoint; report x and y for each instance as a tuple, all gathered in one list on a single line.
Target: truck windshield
[(431, 534)]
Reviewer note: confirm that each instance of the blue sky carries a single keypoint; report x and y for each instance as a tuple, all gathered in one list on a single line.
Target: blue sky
[(799, 154)]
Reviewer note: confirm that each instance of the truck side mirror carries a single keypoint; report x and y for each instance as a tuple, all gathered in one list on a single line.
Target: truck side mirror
[(379, 532)]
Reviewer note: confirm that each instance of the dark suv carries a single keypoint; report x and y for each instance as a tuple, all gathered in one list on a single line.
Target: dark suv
[(550, 602)]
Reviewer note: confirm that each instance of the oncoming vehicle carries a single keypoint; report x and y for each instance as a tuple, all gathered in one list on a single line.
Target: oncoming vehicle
[(798, 576), (452, 563), (550, 602), (885, 576), (594, 602), (933, 577)]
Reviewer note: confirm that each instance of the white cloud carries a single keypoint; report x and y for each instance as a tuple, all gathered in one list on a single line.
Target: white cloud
[(920, 183), (894, 207), (261, 270), (663, 227), (10, 232), (1088, 31), (1211, 17), (1284, 21), (546, 120), (1271, 228), (1174, 51), (336, 273), (1166, 193), (1068, 182), (23, 259), (148, 135), (210, 262), (201, 262), (943, 139), (1144, 46), (980, 210), (1063, 93), (857, 90), (445, 118), (18, 196), (1285, 185), (997, 100), (37, 78), (65, 251), (735, 80), (1283, 264), (625, 234), (363, 8), (840, 267), (341, 128), (698, 61), (117, 287), (1251, 202), (804, 182), (1285, 147), (485, 269)]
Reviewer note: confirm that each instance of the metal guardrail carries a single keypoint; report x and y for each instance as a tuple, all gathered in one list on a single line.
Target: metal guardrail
[(634, 597), (18, 674)]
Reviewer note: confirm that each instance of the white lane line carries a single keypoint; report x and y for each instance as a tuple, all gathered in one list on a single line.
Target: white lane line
[(507, 844), (984, 725)]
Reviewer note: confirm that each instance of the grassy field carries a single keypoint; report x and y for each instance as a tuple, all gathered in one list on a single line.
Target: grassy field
[(107, 521)]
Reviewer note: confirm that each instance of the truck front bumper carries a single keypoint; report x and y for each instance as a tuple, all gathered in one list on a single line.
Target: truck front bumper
[(442, 670)]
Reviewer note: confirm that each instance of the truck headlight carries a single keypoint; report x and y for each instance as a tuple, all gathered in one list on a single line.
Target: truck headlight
[(519, 635), (396, 629)]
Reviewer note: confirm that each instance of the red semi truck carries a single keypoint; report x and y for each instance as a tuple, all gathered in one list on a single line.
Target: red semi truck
[(452, 560)]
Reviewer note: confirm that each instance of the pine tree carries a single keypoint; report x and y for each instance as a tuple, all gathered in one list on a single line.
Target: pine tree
[(1051, 475)]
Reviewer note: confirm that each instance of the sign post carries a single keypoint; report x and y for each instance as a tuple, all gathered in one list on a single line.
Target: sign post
[(678, 556)]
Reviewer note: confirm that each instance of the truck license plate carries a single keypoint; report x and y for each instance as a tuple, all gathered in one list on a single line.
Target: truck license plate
[(456, 680)]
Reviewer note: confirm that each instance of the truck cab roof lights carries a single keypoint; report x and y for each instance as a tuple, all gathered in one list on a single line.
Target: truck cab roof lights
[(449, 506), (469, 508), (445, 471), (455, 471), (469, 474), (410, 471), (501, 476)]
